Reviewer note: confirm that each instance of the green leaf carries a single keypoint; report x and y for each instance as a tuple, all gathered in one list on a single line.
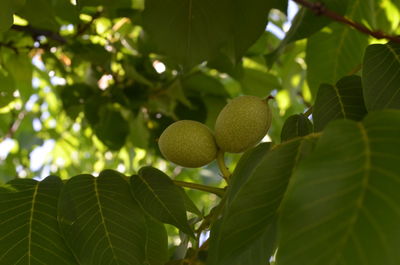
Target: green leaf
[(332, 54), (295, 126), (189, 31), (189, 204), (159, 197), (40, 14), (94, 53), (29, 232), (380, 76), (20, 68), (112, 129), (281, 5), (342, 204), (196, 111), (249, 23), (101, 222), (252, 209), (258, 83), (6, 15), (139, 134), (73, 98), (245, 168), (157, 243), (306, 23), (343, 100), (204, 83), (7, 10), (7, 88), (65, 10), (255, 253)]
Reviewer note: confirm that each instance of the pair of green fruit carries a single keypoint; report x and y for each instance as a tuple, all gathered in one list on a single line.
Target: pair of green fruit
[(241, 124)]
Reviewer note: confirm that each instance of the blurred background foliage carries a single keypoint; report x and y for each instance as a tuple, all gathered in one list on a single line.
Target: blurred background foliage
[(85, 87)]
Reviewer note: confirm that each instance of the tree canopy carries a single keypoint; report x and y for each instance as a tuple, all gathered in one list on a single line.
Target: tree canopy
[(88, 86)]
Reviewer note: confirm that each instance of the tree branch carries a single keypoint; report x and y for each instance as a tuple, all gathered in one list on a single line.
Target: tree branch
[(35, 33), (319, 9), (10, 46)]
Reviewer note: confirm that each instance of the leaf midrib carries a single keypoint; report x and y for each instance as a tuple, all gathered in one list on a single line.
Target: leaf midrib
[(159, 199), (361, 199), (103, 219), (35, 193)]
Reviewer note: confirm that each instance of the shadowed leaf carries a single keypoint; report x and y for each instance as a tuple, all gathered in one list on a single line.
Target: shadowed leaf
[(345, 196)]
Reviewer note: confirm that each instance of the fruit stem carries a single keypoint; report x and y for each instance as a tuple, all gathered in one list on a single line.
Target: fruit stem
[(222, 166), (217, 191)]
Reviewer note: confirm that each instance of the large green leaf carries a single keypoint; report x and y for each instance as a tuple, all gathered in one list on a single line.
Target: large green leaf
[(381, 79), (256, 252), (157, 243), (337, 50), (252, 209), (159, 196), (103, 224), (7, 10), (189, 31), (333, 53), (307, 22), (343, 100), (250, 20), (295, 126), (29, 232), (245, 168), (40, 14), (342, 204)]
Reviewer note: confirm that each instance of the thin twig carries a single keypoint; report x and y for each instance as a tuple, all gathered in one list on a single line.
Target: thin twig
[(222, 166), (319, 9)]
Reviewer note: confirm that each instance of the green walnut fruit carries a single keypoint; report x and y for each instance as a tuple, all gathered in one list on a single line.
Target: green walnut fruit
[(242, 123), (188, 144)]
